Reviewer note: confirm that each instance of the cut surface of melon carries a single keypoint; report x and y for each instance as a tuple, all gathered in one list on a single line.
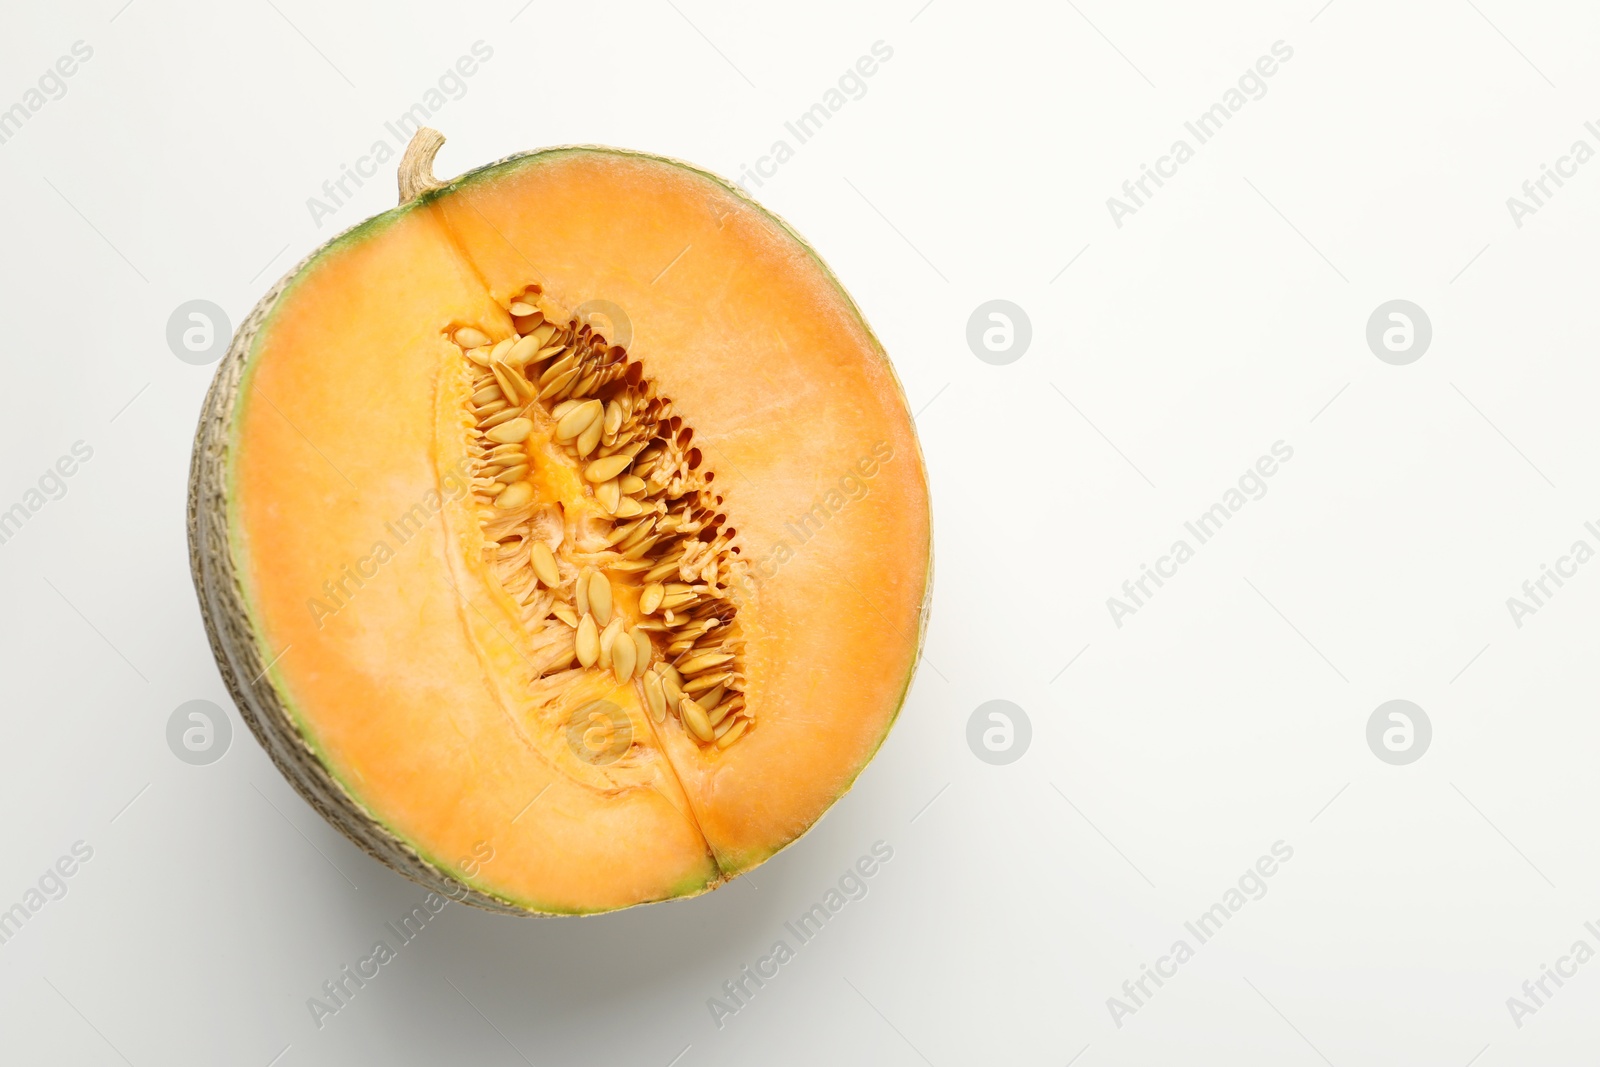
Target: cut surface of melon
[(580, 609)]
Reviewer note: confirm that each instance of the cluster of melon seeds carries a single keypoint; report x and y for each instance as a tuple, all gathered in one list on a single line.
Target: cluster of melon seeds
[(600, 521)]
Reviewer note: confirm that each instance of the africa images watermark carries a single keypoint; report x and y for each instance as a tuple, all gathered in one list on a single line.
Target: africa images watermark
[(52, 485), (51, 886), (1203, 128), (51, 85), (1537, 190), (850, 487), (1202, 528), (353, 577), (336, 191), (809, 122), (339, 991), (1536, 591), (1536, 991), (851, 885), (1252, 885)]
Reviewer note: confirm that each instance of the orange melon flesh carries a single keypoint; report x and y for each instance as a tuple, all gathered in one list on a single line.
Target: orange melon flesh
[(401, 688)]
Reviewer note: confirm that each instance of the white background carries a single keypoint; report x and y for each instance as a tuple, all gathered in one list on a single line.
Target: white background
[(1229, 713)]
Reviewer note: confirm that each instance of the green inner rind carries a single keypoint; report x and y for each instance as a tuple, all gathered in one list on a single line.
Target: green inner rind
[(734, 863)]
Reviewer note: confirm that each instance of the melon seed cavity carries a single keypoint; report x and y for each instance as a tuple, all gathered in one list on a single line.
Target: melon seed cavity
[(600, 520)]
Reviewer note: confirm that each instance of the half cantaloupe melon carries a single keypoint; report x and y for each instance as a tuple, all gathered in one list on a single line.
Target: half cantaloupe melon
[(556, 609)]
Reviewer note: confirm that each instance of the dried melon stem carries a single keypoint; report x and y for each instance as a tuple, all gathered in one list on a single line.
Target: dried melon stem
[(600, 521)]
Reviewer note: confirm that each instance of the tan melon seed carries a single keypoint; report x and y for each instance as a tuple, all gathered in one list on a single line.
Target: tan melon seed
[(707, 681), (580, 590), (636, 532), (513, 474), (468, 337), (624, 655), (739, 727), (487, 394), (562, 408), (608, 637), (654, 698), (544, 564), (669, 686), (499, 418), (566, 615), (560, 382), (600, 597), (628, 507), (694, 717), (661, 570), (632, 484), (623, 533), (613, 418), (511, 431), (560, 367), (702, 662), (576, 419), (588, 641), (501, 348), (512, 383), (637, 550), (603, 470), (610, 495), (521, 352), (650, 599), (519, 309), (724, 709), (515, 496), (642, 646), (711, 700), (589, 439)]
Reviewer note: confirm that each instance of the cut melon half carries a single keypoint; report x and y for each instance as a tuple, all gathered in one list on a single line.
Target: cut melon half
[(562, 534)]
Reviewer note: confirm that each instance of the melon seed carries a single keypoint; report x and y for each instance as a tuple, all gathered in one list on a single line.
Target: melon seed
[(701, 662), (544, 564), (513, 474), (603, 470), (624, 655), (669, 686), (521, 352), (734, 734), (467, 337), (608, 638), (588, 641), (643, 647), (650, 599), (654, 697), (576, 420), (600, 597), (515, 496), (694, 717), (590, 438), (519, 309), (706, 681)]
